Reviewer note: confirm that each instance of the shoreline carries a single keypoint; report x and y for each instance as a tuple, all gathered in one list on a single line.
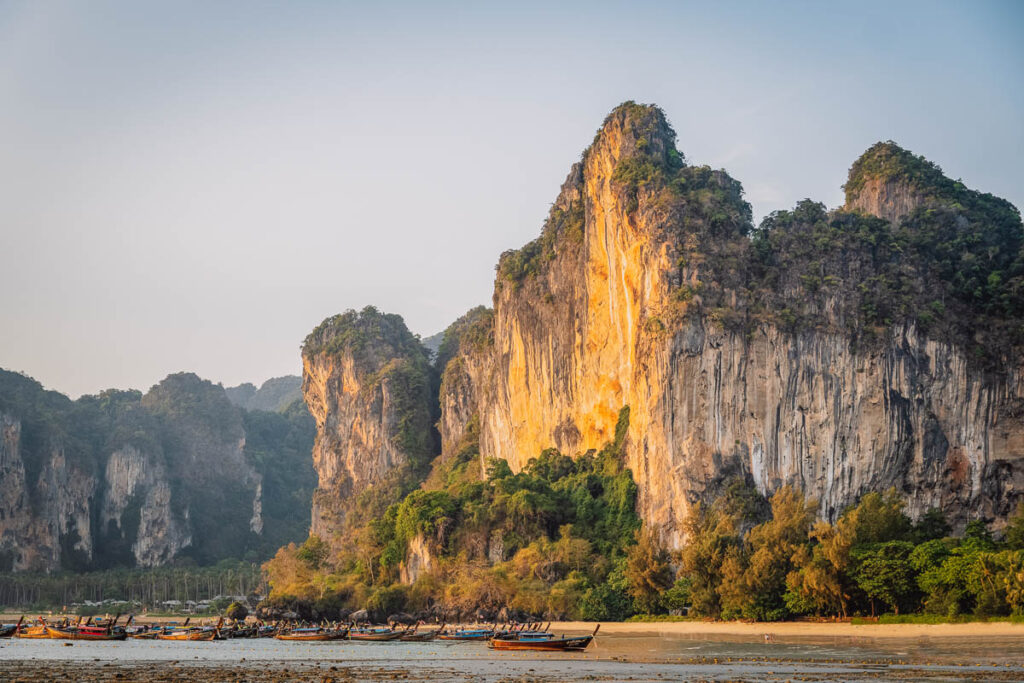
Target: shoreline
[(712, 629), (801, 629)]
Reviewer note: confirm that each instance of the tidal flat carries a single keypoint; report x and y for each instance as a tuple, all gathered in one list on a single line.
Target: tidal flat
[(618, 656)]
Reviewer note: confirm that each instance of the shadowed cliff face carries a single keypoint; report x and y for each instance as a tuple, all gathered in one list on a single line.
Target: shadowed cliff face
[(122, 479), (639, 292), (367, 382), (38, 522)]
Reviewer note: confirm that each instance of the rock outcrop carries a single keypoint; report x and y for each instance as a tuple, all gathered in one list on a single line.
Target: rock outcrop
[(44, 511), (138, 493), (368, 383), (125, 479), (644, 290)]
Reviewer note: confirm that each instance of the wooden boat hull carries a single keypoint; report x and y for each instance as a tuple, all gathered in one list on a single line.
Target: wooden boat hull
[(452, 636), (148, 635), (77, 635), (7, 631), (420, 637), (241, 633), (310, 637), (547, 645), (32, 632), (191, 635), (376, 637)]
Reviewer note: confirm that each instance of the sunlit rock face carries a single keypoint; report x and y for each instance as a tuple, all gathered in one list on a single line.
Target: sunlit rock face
[(629, 299), (368, 385)]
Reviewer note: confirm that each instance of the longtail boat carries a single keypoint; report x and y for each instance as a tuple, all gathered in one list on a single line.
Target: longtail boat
[(145, 633), (189, 634), (85, 633), (237, 631), (88, 631), (422, 636), (374, 634), (8, 630), (542, 641), (469, 634), (32, 632), (315, 634), (199, 633)]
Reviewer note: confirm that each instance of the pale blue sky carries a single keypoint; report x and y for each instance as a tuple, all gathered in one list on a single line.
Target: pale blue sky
[(194, 186)]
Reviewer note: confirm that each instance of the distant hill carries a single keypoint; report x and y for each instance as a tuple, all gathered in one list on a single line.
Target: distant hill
[(433, 342), (275, 395), (124, 479)]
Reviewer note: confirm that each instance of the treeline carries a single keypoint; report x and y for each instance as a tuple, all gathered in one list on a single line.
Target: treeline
[(150, 588), (743, 563), (561, 539)]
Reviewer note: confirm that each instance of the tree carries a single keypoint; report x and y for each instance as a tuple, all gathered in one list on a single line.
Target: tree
[(677, 598), (1015, 529), (816, 583), (647, 572), (884, 572), (931, 526), (878, 519), (313, 552), (754, 577), (237, 611)]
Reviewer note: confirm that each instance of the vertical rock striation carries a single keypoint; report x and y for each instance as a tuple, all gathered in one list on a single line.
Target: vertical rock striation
[(367, 383), (644, 290)]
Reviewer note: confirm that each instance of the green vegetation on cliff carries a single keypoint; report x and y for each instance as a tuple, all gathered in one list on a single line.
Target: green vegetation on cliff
[(887, 161), (953, 266), (555, 538), (474, 329)]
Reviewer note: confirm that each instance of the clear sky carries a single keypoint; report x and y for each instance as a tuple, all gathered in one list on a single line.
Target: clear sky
[(195, 185)]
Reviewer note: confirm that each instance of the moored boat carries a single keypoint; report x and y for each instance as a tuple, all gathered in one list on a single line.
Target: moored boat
[(85, 633), (374, 634), (468, 634), (313, 634), (8, 630), (417, 636), (32, 632), (542, 641), (145, 634), (195, 634)]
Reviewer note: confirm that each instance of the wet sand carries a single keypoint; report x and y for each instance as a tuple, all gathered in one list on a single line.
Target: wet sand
[(614, 657), (33, 672), (825, 629)]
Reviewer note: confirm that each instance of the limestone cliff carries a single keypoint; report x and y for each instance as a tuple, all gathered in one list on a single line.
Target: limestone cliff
[(367, 382), (811, 354), (138, 494), (45, 515), (126, 479)]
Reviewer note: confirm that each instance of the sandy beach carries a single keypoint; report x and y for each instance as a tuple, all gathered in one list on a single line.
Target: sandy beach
[(776, 629), (801, 629)]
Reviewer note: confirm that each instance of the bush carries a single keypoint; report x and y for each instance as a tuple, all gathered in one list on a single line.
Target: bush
[(237, 611)]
